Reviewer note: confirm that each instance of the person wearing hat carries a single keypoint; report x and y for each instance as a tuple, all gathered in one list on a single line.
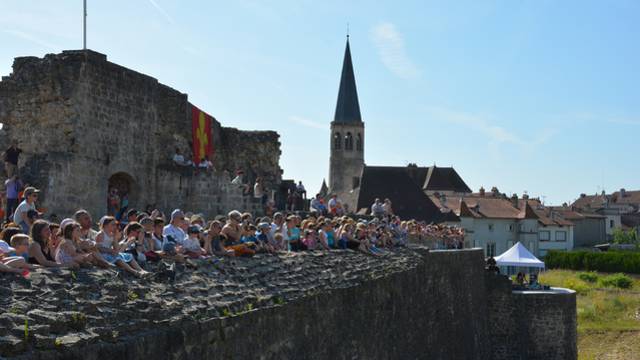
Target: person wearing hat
[(20, 217)]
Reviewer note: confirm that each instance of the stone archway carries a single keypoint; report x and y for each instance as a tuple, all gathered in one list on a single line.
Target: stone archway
[(122, 194)]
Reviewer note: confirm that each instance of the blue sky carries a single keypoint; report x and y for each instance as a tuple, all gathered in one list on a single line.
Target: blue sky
[(539, 96)]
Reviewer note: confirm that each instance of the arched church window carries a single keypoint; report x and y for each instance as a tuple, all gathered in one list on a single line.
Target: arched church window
[(337, 141), (359, 142), (348, 142)]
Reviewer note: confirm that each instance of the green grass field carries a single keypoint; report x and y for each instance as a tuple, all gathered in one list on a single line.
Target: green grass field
[(608, 315)]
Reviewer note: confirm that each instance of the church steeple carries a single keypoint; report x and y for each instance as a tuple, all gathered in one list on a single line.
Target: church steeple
[(347, 137), (348, 108)]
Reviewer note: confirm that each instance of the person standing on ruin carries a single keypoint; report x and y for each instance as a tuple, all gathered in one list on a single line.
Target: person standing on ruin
[(11, 156), (13, 186), (377, 209)]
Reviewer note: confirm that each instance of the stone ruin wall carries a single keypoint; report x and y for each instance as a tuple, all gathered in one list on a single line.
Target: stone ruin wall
[(80, 119), (444, 307)]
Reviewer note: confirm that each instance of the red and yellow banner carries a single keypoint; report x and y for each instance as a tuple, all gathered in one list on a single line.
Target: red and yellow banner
[(202, 138)]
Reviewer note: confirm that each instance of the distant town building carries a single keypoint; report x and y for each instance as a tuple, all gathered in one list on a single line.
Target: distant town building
[(495, 222), (621, 209)]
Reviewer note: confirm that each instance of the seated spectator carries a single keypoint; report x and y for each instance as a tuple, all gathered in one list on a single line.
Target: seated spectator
[(232, 234), (326, 236), (293, 236), (278, 243), (174, 235), (83, 218), (112, 251), (250, 236), (42, 250), (179, 159), (191, 245), (239, 182), (15, 256), (215, 241), (67, 254), (205, 164), (20, 216), (265, 238), (310, 241)]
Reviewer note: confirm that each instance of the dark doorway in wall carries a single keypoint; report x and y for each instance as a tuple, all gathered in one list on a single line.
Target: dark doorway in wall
[(121, 194)]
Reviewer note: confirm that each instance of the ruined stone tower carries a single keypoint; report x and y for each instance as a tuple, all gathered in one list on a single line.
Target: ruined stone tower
[(347, 136)]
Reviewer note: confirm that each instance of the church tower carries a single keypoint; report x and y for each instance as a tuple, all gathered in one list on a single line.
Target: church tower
[(347, 136)]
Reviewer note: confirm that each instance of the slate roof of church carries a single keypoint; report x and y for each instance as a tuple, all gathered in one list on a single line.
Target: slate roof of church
[(397, 184), (444, 179), (347, 108)]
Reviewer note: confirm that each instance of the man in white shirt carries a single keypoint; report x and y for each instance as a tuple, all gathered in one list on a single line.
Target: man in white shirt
[(173, 234), (377, 209), (29, 203), (237, 181)]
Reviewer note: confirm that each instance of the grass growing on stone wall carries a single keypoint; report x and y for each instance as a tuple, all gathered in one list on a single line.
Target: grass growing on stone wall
[(608, 307)]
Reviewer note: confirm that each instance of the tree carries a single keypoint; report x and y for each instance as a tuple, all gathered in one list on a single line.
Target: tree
[(625, 237)]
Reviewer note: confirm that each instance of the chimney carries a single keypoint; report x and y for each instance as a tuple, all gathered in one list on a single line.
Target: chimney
[(623, 192), (495, 192), (514, 200), (481, 191), (525, 196), (583, 195)]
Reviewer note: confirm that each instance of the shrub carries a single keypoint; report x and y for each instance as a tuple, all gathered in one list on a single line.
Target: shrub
[(612, 261), (621, 281), (579, 287), (588, 276)]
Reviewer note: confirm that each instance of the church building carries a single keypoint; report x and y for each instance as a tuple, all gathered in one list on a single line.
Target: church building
[(358, 185)]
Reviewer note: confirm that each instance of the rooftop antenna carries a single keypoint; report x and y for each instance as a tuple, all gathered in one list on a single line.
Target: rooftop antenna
[(84, 24)]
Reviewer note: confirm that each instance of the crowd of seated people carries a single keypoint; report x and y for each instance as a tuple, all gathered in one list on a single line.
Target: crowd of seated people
[(143, 237)]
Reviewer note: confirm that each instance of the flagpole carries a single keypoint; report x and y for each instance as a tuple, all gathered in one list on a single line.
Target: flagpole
[(84, 25)]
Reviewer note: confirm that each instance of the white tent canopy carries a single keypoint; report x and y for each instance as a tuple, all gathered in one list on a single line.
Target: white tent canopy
[(518, 255)]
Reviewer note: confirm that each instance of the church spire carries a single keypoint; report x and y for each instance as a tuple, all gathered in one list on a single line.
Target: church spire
[(348, 108)]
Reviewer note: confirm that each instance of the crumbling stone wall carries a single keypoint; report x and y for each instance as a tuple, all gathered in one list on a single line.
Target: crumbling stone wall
[(422, 305), (81, 119)]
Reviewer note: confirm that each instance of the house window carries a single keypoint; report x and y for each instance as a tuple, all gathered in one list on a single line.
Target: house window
[(561, 236), (490, 227), (491, 249), (359, 142), (544, 235), (337, 141), (510, 228), (348, 142), (612, 224)]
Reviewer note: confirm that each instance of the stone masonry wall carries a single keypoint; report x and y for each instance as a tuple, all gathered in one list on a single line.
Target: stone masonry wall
[(443, 307), (538, 325), (81, 119)]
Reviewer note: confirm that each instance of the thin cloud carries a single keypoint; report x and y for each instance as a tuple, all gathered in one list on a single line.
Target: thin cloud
[(496, 134), (307, 122), (161, 11), (391, 49), (33, 39), (623, 121)]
